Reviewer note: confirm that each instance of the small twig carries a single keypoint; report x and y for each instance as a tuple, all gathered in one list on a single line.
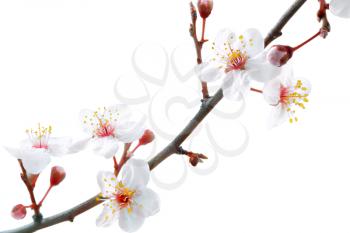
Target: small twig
[(37, 215), (198, 45), (277, 29), (123, 159)]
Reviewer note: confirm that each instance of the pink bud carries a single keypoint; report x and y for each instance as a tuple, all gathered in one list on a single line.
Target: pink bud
[(147, 137), (205, 7), (57, 175), (19, 212), (279, 55)]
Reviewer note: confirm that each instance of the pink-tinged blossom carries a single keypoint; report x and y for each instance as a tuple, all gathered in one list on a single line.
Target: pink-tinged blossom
[(238, 59), (286, 94), (106, 127), (127, 200), (36, 151)]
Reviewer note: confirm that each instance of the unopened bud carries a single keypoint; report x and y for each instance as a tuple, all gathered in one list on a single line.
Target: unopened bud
[(19, 212), (205, 7), (57, 175), (279, 55), (147, 137)]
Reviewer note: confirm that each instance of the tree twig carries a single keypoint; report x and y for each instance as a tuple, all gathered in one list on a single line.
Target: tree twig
[(30, 187), (198, 45), (170, 149), (276, 31)]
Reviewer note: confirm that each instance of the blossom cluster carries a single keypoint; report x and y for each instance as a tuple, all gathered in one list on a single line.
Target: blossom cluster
[(238, 60)]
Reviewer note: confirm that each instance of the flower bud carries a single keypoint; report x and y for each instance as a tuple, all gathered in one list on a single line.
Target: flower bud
[(19, 212), (279, 55), (57, 175), (147, 137), (205, 7)]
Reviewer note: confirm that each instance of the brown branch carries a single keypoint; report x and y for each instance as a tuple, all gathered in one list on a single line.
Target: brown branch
[(30, 187), (276, 31), (198, 45), (170, 149)]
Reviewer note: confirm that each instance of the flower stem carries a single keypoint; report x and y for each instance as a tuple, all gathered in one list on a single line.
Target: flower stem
[(37, 215), (256, 90), (198, 44), (203, 29), (44, 197), (307, 41)]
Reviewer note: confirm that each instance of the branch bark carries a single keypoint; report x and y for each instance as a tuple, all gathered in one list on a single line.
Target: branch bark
[(276, 31), (170, 149)]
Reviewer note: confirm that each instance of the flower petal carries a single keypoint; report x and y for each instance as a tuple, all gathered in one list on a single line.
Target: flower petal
[(107, 182), (59, 146), (224, 39), (148, 202), (106, 146), (130, 222), (340, 8), (79, 145), (109, 215), (35, 160), (135, 174), (251, 41), (209, 72), (235, 86), (13, 151), (277, 116), (259, 69), (271, 92), (130, 131)]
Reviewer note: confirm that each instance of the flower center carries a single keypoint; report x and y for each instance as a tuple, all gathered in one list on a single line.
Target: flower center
[(124, 197), (105, 129), (236, 60), (39, 137), (294, 96), (102, 122)]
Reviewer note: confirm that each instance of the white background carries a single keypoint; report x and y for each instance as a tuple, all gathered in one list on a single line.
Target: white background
[(58, 56)]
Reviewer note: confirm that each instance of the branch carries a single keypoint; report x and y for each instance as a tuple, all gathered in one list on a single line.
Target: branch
[(170, 149), (30, 187), (198, 45), (276, 31)]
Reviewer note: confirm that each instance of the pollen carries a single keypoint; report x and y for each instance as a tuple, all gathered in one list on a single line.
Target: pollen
[(102, 121), (294, 97), (39, 137)]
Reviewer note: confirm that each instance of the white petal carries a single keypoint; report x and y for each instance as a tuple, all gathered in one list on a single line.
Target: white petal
[(148, 202), (223, 40), (79, 145), (259, 69), (59, 146), (13, 151), (272, 92), (35, 160), (209, 72), (109, 215), (130, 222), (106, 146), (278, 116), (135, 174), (130, 131), (251, 41), (235, 86), (340, 8), (107, 183)]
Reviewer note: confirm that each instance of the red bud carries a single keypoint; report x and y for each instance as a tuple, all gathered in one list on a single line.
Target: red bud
[(19, 212), (279, 55), (205, 7), (147, 137), (57, 175)]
